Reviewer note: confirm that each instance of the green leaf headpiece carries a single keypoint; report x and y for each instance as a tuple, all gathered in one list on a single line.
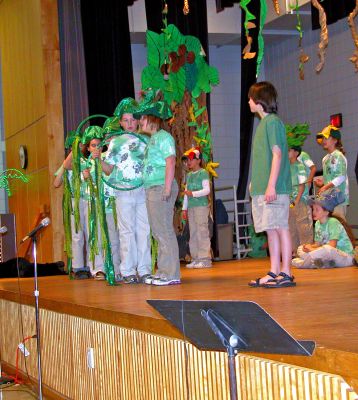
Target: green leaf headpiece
[(126, 106), (159, 109), (92, 132), (297, 134)]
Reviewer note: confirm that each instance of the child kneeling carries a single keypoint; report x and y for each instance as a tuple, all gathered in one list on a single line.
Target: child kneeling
[(333, 241), (196, 209)]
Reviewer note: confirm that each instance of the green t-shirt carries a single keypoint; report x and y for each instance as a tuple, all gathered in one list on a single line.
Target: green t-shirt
[(194, 183), (298, 176), (161, 145), (306, 160), (334, 165), (333, 230), (126, 153), (269, 133)]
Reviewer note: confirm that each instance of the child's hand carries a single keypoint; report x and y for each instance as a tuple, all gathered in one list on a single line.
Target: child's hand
[(307, 248), (323, 189), (86, 173), (184, 215), (270, 194), (189, 193), (166, 194), (96, 153)]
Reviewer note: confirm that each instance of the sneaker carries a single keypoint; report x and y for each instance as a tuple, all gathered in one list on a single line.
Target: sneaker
[(150, 278), (118, 278), (143, 278), (130, 279), (318, 263), (202, 264), (81, 274), (191, 265), (99, 276), (165, 282)]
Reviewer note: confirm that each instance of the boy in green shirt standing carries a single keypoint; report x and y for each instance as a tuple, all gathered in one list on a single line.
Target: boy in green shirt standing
[(271, 186)]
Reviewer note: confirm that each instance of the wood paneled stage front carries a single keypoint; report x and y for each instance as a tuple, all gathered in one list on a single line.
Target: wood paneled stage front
[(139, 355)]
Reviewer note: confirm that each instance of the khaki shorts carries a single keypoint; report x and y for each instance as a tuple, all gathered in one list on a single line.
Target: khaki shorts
[(272, 215)]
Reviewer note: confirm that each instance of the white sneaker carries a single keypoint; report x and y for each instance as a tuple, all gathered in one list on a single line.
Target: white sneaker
[(202, 264), (149, 279), (191, 265), (165, 282)]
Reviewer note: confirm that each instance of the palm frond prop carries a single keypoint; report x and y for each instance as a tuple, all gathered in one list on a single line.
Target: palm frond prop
[(11, 173)]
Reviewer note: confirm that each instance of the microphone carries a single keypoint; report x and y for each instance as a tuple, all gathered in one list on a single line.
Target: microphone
[(42, 224), (3, 229)]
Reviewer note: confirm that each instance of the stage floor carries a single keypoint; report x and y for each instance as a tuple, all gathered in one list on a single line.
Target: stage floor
[(322, 307)]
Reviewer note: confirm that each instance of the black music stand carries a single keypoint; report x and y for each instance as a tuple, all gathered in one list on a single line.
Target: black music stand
[(232, 326)]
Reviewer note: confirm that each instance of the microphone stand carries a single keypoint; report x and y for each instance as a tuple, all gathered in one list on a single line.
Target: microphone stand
[(37, 314)]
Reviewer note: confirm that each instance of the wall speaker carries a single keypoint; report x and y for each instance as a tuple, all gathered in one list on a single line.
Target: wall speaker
[(7, 239)]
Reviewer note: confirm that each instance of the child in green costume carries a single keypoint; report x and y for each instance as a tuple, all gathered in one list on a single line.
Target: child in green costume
[(196, 210)]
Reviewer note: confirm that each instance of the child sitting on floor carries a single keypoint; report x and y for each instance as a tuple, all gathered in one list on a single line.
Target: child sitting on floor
[(196, 209), (333, 242)]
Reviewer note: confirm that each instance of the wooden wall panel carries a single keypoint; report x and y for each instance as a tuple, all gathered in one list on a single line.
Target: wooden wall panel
[(31, 78), (132, 365), (22, 64)]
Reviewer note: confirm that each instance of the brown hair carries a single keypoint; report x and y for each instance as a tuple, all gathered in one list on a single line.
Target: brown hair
[(152, 121), (346, 227), (339, 146), (264, 93)]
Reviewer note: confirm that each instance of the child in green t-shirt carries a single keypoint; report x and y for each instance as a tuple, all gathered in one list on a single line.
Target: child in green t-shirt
[(334, 167), (196, 210), (333, 240), (271, 185), (161, 189)]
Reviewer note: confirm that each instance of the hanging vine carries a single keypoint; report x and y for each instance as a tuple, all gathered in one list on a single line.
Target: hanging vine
[(353, 29), (323, 35)]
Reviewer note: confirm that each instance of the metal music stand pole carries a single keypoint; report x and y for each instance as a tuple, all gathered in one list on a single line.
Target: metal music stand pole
[(37, 314)]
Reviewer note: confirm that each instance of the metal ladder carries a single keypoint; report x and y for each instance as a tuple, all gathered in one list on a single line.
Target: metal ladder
[(240, 221)]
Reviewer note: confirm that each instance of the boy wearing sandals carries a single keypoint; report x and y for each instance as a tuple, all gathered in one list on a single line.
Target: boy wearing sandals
[(271, 186)]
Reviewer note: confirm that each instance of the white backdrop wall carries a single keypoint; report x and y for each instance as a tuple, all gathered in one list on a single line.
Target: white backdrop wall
[(313, 100)]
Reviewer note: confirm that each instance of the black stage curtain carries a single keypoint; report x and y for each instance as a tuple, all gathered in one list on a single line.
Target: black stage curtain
[(221, 4), (107, 53), (248, 78), (195, 23), (335, 10)]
